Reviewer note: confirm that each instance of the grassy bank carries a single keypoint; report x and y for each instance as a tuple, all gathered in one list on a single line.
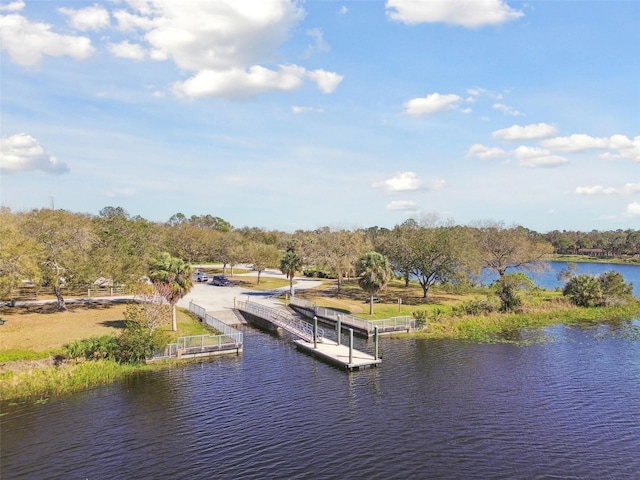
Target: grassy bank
[(541, 308), (33, 337), (509, 327)]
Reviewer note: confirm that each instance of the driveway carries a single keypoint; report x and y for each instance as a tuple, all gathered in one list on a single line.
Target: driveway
[(214, 299)]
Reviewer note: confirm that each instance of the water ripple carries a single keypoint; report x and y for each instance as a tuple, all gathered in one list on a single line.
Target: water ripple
[(435, 409)]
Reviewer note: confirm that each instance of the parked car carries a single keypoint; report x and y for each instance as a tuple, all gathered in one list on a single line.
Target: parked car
[(201, 277), (220, 281)]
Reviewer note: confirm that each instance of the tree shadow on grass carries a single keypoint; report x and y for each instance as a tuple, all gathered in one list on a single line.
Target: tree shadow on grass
[(119, 324), (52, 307)]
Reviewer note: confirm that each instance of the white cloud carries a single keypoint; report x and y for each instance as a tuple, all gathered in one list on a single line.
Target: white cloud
[(485, 153), (632, 210), (320, 44), (128, 50), (241, 83), (575, 143), (13, 6), (129, 22), (512, 112), (343, 10), (468, 13), (226, 44), (402, 182), (298, 110), (327, 81), (626, 189), (22, 153), (26, 42), (437, 183), (596, 190), (90, 18), (119, 192), (629, 149), (528, 132), (631, 188), (432, 103), (222, 35), (479, 92), (403, 205), (537, 157)]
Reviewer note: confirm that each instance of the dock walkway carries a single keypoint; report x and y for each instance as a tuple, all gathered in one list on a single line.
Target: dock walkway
[(344, 356)]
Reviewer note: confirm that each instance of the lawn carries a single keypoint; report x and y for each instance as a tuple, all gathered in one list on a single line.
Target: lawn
[(38, 330)]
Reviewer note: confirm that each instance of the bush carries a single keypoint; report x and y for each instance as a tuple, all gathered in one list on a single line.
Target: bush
[(507, 289), (473, 307), (138, 343), (614, 289), (105, 347), (584, 291), (420, 317), (608, 288)]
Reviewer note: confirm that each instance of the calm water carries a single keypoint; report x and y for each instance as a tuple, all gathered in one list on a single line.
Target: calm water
[(549, 278), (568, 408)]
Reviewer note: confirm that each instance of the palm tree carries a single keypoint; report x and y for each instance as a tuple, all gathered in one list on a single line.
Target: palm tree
[(375, 272), (289, 265), (172, 278)]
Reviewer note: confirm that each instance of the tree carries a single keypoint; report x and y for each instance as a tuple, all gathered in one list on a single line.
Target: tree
[(262, 256), (289, 265), (338, 251), (172, 277), (66, 240), (375, 272), (503, 248), (124, 245), (440, 254), (19, 255), (396, 245)]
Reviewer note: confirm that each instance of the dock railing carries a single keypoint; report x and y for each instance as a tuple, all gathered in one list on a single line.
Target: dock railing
[(285, 320), (230, 340), (392, 324), (210, 320)]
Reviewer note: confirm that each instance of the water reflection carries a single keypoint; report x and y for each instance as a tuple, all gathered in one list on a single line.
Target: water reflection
[(434, 409)]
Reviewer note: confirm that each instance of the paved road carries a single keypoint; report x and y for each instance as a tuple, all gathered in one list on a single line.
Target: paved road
[(213, 298)]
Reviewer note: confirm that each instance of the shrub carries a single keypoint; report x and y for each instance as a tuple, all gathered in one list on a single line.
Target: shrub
[(94, 348), (473, 307), (614, 289), (137, 343), (584, 290), (608, 288), (507, 290), (420, 317)]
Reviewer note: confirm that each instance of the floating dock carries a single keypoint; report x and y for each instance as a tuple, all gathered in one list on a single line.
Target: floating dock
[(338, 355), (311, 339)]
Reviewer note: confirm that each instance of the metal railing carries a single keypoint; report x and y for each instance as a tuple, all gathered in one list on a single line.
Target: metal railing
[(212, 321), (387, 324), (230, 340), (280, 318)]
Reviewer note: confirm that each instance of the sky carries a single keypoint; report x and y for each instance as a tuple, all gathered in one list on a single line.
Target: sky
[(289, 115)]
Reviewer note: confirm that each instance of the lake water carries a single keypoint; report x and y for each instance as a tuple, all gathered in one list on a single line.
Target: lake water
[(549, 278), (568, 408)]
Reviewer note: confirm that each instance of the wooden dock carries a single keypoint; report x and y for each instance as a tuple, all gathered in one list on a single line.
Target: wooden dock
[(338, 355)]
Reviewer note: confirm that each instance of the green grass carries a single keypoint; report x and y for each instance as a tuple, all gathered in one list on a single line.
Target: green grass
[(30, 373), (541, 308), (42, 381), (14, 355)]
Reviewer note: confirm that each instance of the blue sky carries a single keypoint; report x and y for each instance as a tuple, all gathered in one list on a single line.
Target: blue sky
[(294, 115)]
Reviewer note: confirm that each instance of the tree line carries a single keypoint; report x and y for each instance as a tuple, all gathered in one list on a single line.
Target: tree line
[(59, 248)]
